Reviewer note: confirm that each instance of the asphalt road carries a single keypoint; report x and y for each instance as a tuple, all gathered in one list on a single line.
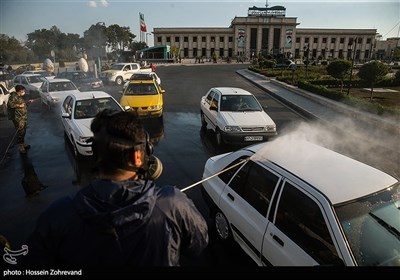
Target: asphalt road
[(180, 143)]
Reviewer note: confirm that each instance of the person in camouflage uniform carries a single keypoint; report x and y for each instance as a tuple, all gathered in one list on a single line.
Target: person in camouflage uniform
[(18, 113)]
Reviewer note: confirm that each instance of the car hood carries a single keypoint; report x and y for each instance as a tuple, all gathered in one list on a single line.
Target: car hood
[(84, 126), (36, 85), (62, 94), (247, 118), (141, 100), (88, 80), (109, 71)]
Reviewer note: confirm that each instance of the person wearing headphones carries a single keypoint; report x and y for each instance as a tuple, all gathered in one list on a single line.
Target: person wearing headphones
[(121, 219)]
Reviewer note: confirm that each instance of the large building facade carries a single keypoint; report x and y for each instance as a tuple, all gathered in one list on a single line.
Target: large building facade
[(268, 31)]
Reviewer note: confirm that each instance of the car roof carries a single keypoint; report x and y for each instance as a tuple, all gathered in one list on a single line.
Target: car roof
[(143, 76), (84, 95), (28, 75), (57, 80), (232, 91), (142, 81), (338, 177)]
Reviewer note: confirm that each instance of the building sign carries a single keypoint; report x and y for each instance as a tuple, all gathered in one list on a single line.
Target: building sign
[(267, 12), (288, 38), (241, 37)]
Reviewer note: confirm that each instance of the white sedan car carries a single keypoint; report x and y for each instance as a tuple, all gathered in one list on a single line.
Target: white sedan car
[(31, 82), (236, 116), (77, 113), (289, 202), (53, 91)]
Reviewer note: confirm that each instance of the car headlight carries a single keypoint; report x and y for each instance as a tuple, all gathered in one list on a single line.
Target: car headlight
[(84, 139), (155, 107), (270, 128), (231, 128), (114, 73)]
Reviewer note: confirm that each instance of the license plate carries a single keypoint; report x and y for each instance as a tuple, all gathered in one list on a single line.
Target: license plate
[(253, 138)]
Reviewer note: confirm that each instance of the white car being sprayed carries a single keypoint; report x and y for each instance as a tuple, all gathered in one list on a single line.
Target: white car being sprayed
[(77, 113), (290, 202)]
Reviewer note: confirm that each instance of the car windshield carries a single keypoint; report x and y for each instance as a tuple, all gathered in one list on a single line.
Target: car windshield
[(372, 227), (116, 66), (34, 79), (61, 86), (142, 76), (141, 89), (239, 103), (85, 109)]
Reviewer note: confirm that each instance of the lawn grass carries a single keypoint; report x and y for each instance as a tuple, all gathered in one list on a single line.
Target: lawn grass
[(387, 99)]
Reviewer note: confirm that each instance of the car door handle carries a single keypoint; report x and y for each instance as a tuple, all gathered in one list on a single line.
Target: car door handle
[(277, 239), (231, 197)]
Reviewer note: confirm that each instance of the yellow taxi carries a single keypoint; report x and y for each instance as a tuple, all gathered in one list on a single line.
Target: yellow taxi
[(145, 97)]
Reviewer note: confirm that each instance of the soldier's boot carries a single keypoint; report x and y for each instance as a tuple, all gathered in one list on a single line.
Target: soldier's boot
[(27, 147), (22, 149)]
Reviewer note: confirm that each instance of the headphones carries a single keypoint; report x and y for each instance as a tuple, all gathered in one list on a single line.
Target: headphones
[(118, 152)]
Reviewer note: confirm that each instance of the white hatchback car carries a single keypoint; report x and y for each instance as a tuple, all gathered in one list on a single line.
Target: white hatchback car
[(77, 113), (294, 203), (236, 116), (53, 91)]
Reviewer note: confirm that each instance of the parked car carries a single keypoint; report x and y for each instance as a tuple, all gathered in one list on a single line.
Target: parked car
[(290, 202), (236, 116), (144, 97), (31, 82), (77, 113), (121, 72), (53, 91), (83, 80), (4, 96), (143, 76)]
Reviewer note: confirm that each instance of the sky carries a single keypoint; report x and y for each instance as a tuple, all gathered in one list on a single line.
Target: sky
[(20, 17)]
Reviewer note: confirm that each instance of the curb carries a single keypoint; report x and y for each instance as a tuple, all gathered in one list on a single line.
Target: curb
[(364, 117)]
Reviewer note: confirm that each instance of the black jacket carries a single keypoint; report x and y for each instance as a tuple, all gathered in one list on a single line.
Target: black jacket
[(111, 224)]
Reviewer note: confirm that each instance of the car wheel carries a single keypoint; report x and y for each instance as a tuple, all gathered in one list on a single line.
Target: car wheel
[(218, 137), (118, 81), (222, 227), (203, 120)]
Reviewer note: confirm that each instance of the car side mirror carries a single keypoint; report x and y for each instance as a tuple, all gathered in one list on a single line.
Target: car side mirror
[(163, 91), (213, 107), (265, 107), (127, 108), (66, 115)]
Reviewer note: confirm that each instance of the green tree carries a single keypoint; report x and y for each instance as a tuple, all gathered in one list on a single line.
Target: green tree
[(175, 51), (12, 51), (43, 41), (119, 38), (338, 69), (372, 72), (95, 38), (396, 54)]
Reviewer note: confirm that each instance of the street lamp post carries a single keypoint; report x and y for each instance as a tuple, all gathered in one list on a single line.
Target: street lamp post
[(307, 50), (352, 63), (99, 47)]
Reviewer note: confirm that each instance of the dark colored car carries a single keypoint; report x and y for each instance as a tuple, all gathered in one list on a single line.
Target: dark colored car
[(83, 80)]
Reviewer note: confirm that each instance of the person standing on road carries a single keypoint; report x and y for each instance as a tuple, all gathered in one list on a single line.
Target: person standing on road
[(153, 67), (121, 219), (17, 112)]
